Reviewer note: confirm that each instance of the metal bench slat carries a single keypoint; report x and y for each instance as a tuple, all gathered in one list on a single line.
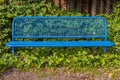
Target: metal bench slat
[(60, 44)]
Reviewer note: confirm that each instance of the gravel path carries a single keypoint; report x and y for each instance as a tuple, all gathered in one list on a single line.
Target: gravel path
[(58, 75)]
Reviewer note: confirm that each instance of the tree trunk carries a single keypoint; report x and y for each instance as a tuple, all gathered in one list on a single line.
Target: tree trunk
[(94, 5)]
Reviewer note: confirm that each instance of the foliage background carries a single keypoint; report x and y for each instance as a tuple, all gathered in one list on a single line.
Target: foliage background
[(70, 58)]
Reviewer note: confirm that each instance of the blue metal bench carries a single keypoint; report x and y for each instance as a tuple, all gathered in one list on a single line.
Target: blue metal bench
[(59, 27)]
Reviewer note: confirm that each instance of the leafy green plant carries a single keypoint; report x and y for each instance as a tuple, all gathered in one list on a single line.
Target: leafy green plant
[(7, 61)]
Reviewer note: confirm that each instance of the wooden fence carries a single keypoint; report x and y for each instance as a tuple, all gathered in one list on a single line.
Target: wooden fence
[(92, 7)]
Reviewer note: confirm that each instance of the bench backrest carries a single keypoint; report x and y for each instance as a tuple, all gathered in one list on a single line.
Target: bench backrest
[(59, 27)]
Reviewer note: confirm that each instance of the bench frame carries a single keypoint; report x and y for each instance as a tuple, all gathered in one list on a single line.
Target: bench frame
[(105, 36)]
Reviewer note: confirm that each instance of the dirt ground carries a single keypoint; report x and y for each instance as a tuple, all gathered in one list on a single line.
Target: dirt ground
[(48, 75)]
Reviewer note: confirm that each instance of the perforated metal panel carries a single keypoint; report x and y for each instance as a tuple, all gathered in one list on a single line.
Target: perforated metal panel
[(54, 27)]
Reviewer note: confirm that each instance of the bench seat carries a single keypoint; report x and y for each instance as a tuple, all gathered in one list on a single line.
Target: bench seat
[(59, 43)]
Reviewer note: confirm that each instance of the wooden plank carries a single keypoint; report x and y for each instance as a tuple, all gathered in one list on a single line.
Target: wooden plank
[(63, 4), (101, 6), (56, 2), (107, 7), (94, 5), (86, 6), (79, 5), (71, 7)]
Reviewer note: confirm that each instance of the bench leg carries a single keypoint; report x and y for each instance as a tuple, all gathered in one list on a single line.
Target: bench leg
[(13, 50), (105, 49)]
